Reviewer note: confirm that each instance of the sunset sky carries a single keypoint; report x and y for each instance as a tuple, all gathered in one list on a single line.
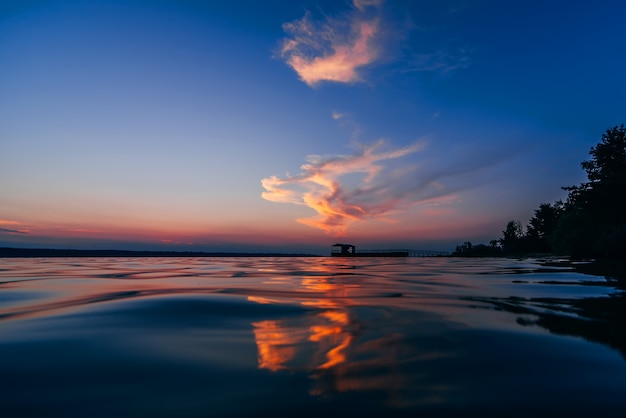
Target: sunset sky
[(291, 125)]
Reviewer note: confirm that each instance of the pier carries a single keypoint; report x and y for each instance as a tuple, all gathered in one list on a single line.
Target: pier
[(428, 253), (349, 250)]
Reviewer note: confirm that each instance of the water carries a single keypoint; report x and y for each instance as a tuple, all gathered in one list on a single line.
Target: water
[(220, 337)]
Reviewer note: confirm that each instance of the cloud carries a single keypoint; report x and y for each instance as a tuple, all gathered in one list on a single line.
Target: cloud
[(84, 230), (11, 230), (372, 184), (14, 231), (440, 62), (333, 49), (336, 115), (361, 5), (377, 183)]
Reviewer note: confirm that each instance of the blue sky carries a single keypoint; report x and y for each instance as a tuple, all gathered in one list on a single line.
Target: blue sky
[(287, 125)]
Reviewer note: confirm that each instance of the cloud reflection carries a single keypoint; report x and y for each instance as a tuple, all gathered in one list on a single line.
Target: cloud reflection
[(344, 353)]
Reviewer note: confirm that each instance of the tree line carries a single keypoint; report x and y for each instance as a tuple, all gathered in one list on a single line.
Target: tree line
[(590, 223)]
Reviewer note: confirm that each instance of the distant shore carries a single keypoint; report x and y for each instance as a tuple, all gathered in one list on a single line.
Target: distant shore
[(48, 252)]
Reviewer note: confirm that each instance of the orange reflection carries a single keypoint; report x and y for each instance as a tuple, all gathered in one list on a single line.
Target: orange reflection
[(276, 345), (316, 343), (329, 343)]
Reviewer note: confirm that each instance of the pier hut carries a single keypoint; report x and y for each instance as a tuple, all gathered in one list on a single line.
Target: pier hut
[(343, 250)]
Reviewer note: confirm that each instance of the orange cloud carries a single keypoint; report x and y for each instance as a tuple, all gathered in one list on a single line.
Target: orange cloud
[(9, 222), (334, 49), (346, 189), (85, 230)]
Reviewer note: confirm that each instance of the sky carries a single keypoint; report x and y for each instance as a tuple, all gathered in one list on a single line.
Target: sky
[(292, 125)]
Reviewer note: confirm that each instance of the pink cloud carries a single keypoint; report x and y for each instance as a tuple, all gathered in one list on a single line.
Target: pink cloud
[(332, 50), (12, 230)]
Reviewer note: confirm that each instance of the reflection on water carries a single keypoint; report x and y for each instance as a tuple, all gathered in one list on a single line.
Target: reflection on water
[(324, 335), (279, 341), (337, 345), (278, 336)]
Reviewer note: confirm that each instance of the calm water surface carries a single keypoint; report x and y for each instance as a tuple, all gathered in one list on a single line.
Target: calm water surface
[(218, 337)]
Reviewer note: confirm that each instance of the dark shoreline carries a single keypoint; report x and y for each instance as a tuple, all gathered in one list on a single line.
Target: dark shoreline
[(48, 252)]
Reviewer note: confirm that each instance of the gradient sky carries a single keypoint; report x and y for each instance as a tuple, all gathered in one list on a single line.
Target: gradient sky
[(291, 125)]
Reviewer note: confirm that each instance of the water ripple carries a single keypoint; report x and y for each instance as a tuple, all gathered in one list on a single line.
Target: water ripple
[(316, 335)]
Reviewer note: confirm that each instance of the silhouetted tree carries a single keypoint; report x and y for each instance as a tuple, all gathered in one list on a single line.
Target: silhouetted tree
[(479, 250), (463, 250), (512, 237), (593, 223), (542, 225)]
